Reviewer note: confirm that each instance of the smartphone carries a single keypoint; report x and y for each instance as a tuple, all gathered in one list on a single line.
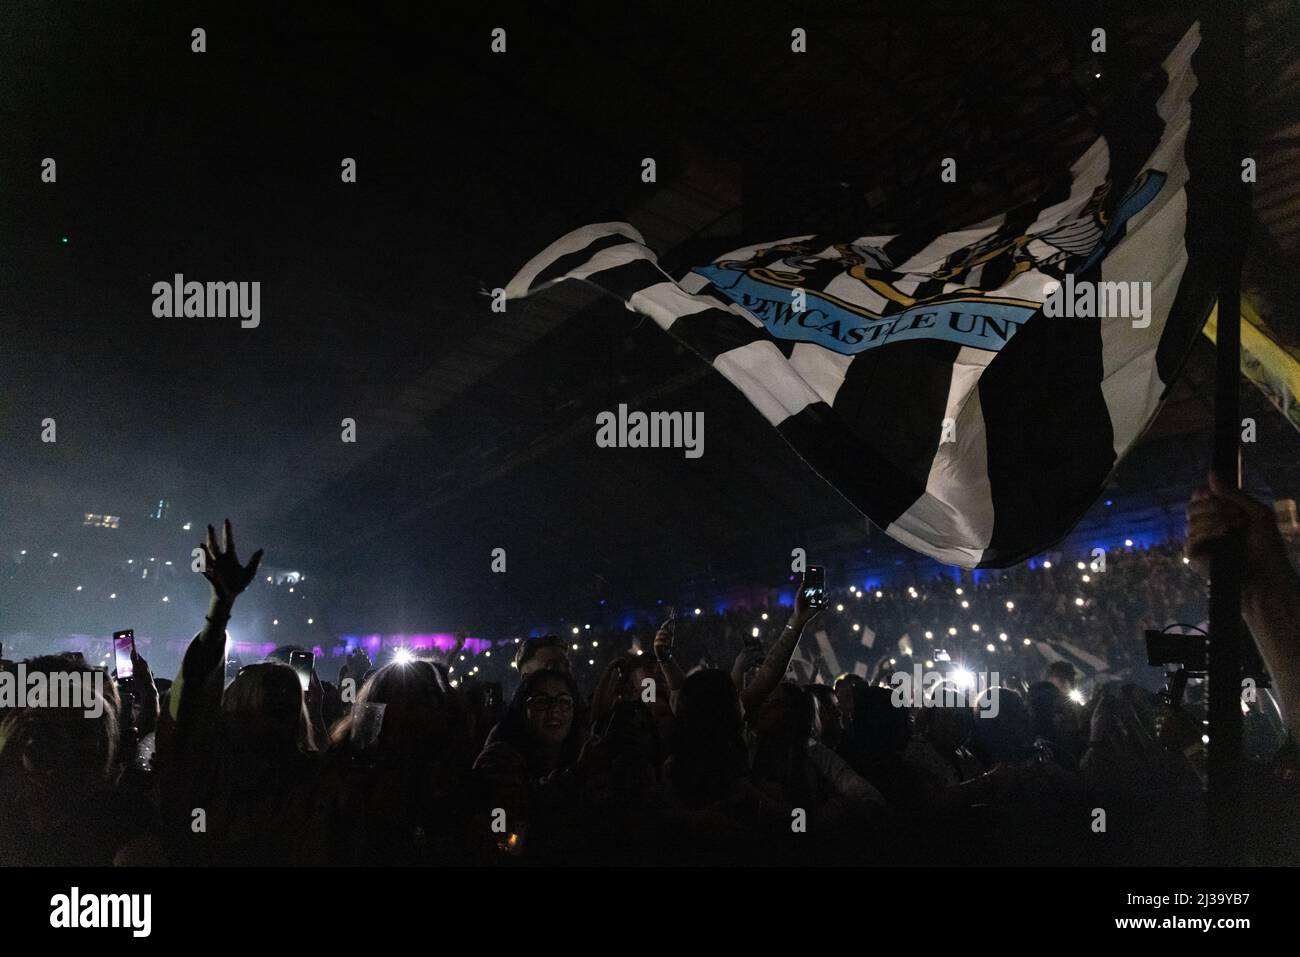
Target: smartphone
[(814, 586), (302, 662), (123, 650)]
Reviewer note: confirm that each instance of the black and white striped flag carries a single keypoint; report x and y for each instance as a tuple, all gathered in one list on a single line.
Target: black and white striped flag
[(922, 376)]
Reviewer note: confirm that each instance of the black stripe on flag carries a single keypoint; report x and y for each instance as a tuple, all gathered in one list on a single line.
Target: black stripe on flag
[(888, 391), (856, 469), (570, 261), (707, 333)]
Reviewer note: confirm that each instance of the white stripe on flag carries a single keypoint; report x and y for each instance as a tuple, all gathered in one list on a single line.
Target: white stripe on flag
[(828, 653), (1091, 660), (953, 520), (1154, 244), (822, 369), (569, 243), (1049, 652), (760, 371)]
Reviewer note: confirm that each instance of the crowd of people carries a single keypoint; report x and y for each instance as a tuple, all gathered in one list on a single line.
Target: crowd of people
[(1015, 622), (697, 743)]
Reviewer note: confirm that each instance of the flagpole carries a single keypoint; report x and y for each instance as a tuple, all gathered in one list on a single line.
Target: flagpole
[(1223, 22)]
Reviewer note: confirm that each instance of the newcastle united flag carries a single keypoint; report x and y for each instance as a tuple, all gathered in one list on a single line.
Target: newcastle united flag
[(969, 392)]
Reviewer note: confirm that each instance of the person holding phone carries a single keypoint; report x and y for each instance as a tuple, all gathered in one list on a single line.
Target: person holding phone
[(809, 601)]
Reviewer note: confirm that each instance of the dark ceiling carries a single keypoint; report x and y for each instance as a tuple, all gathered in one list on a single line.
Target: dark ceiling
[(475, 429)]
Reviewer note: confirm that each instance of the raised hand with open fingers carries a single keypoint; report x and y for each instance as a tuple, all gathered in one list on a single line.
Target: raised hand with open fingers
[(222, 567)]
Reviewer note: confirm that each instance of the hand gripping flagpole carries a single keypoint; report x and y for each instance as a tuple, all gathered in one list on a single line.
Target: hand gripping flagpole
[(1223, 22)]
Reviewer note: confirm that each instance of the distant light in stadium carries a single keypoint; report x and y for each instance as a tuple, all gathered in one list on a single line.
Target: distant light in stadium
[(1186, 560), (880, 594), (765, 616), (274, 621), (185, 527), (403, 656), (575, 646), (974, 627), (488, 654), (893, 661), (1128, 543), (929, 663), (575, 631), (965, 603), (78, 588), (1087, 578), (1078, 601), (640, 652), (1047, 564), (1026, 641), (591, 661), (989, 647), (1080, 565), (960, 592), (839, 607), (1002, 636), (166, 598), (857, 627), (311, 621), (952, 630), (1076, 696), (588, 627), (1010, 605), (929, 634), (594, 644), (963, 678), (114, 595), (54, 554)]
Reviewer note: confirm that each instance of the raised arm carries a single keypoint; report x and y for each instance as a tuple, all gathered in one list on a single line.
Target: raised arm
[(778, 658), (663, 650), (198, 686), (1270, 589)]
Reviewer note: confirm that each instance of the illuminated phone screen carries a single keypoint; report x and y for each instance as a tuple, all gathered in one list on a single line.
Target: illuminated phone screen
[(123, 645)]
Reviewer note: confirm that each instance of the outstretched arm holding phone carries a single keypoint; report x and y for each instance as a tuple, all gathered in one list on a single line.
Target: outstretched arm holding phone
[(663, 650), (807, 604)]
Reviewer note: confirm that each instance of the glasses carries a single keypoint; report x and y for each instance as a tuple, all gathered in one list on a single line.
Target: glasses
[(540, 703)]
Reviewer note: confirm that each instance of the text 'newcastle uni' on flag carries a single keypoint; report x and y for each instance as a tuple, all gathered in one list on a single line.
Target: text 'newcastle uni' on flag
[(922, 375)]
